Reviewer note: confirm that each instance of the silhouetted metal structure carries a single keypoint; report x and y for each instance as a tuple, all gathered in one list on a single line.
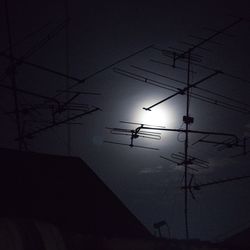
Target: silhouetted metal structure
[(188, 57)]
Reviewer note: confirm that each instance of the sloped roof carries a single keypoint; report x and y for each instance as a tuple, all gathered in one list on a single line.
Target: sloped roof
[(241, 239), (64, 191)]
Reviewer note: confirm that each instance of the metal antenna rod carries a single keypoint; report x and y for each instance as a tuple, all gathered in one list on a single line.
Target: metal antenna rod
[(13, 77), (20, 41), (54, 124), (67, 83), (208, 39), (198, 186), (182, 91), (186, 147), (110, 66), (31, 93)]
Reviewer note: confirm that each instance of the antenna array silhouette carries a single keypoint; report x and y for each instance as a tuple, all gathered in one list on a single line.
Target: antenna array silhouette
[(188, 57), (41, 112)]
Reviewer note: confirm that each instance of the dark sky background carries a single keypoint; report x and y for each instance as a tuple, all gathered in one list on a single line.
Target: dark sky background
[(103, 32)]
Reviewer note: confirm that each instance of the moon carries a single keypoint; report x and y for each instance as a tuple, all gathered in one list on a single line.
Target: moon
[(158, 116)]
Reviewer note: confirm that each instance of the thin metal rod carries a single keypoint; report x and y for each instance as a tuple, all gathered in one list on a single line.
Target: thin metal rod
[(174, 89), (157, 74), (208, 39), (110, 66), (186, 149), (29, 135), (38, 46), (19, 61), (67, 83), (13, 77), (131, 145), (27, 92), (199, 88), (20, 41), (182, 91), (190, 131), (198, 186)]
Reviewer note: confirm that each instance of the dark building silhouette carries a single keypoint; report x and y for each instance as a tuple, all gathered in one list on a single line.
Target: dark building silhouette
[(58, 202), (63, 191), (240, 240)]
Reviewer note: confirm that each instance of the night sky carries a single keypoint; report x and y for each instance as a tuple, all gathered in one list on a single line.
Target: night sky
[(100, 33)]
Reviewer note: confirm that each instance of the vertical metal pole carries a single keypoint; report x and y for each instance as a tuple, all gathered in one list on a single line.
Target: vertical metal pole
[(67, 85), (186, 150), (13, 77)]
